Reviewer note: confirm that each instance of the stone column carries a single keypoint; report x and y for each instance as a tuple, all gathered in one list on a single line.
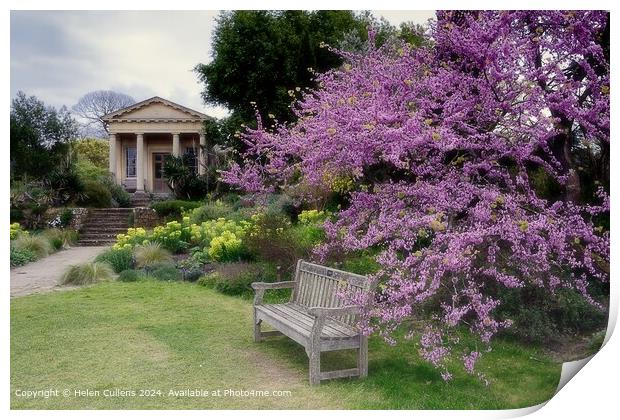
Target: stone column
[(113, 154), (201, 155), (175, 144), (139, 162)]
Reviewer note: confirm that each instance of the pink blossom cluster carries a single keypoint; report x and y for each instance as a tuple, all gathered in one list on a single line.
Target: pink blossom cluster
[(435, 146)]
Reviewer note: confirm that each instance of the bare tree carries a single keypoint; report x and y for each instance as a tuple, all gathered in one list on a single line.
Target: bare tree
[(94, 105)]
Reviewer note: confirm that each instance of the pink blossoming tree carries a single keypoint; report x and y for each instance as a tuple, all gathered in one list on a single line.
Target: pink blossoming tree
[(435, 147)]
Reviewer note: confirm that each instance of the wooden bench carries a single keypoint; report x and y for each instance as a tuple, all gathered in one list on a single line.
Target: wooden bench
[(316, 316)]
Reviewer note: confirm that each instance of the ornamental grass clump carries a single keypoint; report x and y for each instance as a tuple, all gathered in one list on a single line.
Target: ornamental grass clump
[(89, 273), (60, 238), (37, 244), (151, 253), (437, 146)]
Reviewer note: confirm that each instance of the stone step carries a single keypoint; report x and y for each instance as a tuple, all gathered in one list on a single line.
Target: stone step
[(108, 220), (112, 210), (116, 215), (97, 238), (110, 213), (105, 226), (109, 216), (104, 229), (95, 242)]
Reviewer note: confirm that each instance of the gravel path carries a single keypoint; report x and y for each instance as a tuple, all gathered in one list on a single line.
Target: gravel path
[(45, 274)]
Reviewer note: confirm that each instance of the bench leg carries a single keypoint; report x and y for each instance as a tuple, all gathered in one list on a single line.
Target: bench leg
[(315, 367), (362, 357), (257, 332)]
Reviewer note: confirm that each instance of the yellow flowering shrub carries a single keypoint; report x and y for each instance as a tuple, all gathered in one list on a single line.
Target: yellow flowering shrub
[(311, 217), (225, 247), (218, 240), (134, 236), (17, 230)]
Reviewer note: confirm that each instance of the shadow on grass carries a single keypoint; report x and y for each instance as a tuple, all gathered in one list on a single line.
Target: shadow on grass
[(400, 379)]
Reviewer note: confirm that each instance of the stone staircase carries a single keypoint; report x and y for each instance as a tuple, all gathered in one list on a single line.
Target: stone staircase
[(102, 225), (140, 199)]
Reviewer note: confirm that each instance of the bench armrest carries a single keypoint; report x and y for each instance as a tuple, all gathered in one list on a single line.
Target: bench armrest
[(279, 285), (260, 287), (325, 312)]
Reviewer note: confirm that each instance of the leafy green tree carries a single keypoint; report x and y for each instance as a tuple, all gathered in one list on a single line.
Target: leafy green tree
[(97, 151), (40, 136), (261, 57)]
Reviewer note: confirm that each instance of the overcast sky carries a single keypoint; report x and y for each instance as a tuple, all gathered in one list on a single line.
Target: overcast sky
[(60, 55)]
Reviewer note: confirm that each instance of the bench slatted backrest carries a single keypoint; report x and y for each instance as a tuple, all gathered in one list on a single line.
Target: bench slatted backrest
[(317, 285)]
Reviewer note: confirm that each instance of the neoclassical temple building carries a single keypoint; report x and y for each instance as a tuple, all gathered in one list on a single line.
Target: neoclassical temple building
[(143, 134)]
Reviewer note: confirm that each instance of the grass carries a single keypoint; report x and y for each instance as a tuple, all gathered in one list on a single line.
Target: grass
[(153, 335), (88, 273), (37, 244)]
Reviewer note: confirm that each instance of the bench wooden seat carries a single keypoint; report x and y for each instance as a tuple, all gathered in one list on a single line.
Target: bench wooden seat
[(316, 316)]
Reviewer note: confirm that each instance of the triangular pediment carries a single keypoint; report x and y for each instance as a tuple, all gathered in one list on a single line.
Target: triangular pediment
[(154, 109)]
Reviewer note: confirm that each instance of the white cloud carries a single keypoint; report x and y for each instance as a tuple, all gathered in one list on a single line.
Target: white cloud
[(61, 55)]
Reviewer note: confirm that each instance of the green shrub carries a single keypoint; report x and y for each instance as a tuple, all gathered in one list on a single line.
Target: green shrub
[(364, 264), (64, 185), (118, 193), (210, 211), (55, 237), (274, 239), (119, 259), (191, 269), (151, 253), (128, 276), (96, 194), (37, 244), (88, 171), (537, 317), (89, 273), (230, 284), (185, 183), (65, 217), (596, 341), (174, 208), (283, 204), (16, 215), (21, 256), (236, 278), (94, 150), (60, 238), (164, 272)]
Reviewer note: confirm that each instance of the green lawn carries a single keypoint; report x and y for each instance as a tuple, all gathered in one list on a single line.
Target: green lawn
[(175, 336)]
